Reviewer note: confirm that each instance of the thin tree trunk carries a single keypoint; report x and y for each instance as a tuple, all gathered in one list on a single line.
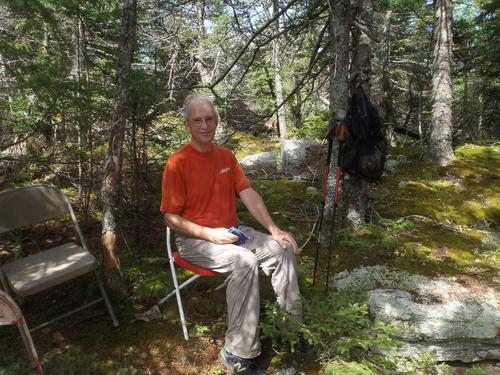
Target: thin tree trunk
[(387, 100), (200, 55), (440, 141), (339, 83), (111, 184), (278, 85)]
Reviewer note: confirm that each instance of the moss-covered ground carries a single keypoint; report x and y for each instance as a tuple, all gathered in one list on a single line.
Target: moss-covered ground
[(424, 219)]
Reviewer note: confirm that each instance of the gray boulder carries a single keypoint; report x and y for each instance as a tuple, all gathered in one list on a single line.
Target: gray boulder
[(263, 163), (437, 315), (300, 157)]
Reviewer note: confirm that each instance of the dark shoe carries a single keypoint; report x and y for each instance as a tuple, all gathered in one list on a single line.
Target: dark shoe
[(304, 346), (238, 365)]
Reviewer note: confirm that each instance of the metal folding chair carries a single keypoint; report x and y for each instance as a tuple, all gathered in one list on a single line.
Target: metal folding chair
[(10, 314), (174, 257), (40, 271)]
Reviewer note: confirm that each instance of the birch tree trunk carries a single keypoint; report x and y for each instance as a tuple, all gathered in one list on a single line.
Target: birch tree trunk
[(111, 184), (339, 84), (440, 140), (278, 84)]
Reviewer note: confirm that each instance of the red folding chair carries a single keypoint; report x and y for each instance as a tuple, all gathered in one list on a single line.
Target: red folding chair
[(11, 314), (174, 257)]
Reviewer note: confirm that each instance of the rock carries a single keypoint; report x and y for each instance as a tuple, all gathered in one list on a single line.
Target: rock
[(300, 157), (391, 165), (436, 315), (402, 184), (263, 163), (311, 190)]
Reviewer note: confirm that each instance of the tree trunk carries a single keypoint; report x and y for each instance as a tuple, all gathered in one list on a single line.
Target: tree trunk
[(339, 84), (440, 140), (80, 76), (361, 72), (387, 100), (111, 184), (200, 54)]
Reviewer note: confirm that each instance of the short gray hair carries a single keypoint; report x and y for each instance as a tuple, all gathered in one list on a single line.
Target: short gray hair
[(197, 97)]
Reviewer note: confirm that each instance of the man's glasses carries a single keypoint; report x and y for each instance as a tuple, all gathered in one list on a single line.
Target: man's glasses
[(210, 120)]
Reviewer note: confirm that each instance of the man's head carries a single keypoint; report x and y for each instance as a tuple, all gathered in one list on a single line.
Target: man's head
[(201, 119)]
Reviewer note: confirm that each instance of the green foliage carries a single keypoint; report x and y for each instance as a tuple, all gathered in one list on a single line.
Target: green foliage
[(314, 127), (475, 370), (338, 325), (397, 224), (423, 364), (347, 368), (283, 329)]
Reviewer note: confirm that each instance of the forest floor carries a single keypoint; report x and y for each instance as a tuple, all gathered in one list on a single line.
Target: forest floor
[(424, 219)]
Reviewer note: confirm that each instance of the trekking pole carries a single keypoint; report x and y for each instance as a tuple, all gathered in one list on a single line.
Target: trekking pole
[(326, 174), (341, 134)]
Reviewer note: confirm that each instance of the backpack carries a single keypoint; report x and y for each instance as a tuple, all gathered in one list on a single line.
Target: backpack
[(365, 150)]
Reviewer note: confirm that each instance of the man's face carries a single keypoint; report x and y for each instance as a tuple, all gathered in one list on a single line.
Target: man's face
[(201, 123)]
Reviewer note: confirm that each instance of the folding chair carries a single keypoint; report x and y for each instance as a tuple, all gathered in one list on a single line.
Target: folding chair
[(174, 257), (32, 274), (10, 314)]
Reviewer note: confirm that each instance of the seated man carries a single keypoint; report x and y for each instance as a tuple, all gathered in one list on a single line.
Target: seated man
[(201, 182)]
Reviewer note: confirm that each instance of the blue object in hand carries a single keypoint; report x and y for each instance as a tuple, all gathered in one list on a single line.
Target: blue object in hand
[(243, 237)]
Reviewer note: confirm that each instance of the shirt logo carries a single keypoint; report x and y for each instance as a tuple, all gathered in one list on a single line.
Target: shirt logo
[(224, 170)]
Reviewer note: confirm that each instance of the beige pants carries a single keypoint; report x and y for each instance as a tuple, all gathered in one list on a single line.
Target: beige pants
[(241, 265)]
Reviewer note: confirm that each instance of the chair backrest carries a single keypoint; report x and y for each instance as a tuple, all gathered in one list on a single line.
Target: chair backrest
[(30, 205), (10, 313)]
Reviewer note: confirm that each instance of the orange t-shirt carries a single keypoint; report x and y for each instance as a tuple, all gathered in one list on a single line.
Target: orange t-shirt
[(202, 186)]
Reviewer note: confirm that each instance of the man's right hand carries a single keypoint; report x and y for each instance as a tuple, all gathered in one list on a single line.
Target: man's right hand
[(220, 236)]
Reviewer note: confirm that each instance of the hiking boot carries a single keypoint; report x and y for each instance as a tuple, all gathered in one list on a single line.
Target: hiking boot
[(238, 365), (304, 346)]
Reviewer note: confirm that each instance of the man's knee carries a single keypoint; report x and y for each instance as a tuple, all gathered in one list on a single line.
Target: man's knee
[(245, 259)]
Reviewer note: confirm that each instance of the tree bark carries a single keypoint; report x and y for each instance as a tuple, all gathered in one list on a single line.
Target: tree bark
[(361, 71), (111, 184), (339, 83), (278, 82), (440, 140), (387, 99)]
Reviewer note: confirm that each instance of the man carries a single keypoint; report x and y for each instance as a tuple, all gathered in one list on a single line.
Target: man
[(201, 182)]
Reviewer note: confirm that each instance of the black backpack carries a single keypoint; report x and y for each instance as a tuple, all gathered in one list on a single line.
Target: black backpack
[(365, 149)]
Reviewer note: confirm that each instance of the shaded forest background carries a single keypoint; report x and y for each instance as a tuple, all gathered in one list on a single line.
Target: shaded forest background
[(90, 91), (89, 101)]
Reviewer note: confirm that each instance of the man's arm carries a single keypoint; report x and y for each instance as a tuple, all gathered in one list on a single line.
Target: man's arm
[(216, 235), (254, 203)]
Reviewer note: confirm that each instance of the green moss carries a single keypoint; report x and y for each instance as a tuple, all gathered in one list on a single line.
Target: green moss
[(245, 144)]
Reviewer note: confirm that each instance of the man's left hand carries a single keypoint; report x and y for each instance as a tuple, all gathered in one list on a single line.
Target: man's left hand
[(285, 239)]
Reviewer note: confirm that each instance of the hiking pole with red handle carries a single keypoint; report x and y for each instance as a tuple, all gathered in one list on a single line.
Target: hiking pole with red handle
[(341, 133), (326, 174)]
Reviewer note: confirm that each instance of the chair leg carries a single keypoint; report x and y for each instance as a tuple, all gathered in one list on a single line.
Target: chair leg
[(179, 300), (30, 346), (106, 300)]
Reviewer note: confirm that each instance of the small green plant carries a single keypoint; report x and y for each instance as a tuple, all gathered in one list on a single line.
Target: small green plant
[(397, 224), (284, 329), (423, 364), (338, 325), (475, 370), (347, 368), (345, 328)]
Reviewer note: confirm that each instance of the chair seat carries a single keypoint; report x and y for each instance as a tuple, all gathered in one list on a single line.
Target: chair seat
[(191, 267), (48, 268)]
